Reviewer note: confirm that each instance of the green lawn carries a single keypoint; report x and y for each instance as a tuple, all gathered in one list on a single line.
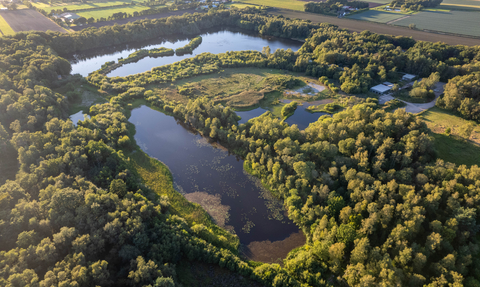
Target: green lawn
[(452, 148), (377, 16), (104, 13), (88, 5), (286, 4), (456, 150), (456, 22), (5, 28)]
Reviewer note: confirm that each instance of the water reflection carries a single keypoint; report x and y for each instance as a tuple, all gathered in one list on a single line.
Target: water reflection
[(233, 197), (214, 41)]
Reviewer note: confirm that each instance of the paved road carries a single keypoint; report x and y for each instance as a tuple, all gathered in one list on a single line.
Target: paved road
[(133, 19), (359, 26), (415, 108), (28, 19)]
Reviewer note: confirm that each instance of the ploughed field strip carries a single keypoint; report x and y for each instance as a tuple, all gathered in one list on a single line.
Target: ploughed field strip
[(461, 4), (359, 26), (27, 19), (455, 22)]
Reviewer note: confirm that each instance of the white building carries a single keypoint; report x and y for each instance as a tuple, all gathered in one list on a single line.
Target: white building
[(408, 77), (380, 89)]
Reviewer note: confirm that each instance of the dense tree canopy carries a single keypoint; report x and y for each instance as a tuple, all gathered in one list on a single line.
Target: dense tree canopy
[(364, 185)]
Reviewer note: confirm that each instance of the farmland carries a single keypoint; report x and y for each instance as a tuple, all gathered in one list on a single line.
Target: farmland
[(5, 29), (359, 26), (377, 16), (285, 4), (27, 19), (461, 4), (88, 5), (104, 13), (455, 22)]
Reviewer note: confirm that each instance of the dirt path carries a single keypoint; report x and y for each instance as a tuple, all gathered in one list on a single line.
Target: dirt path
[(393, 21), (359, 26)]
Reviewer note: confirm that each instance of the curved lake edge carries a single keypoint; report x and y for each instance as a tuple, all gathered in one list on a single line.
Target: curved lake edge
[(91, 60), (252, 250)]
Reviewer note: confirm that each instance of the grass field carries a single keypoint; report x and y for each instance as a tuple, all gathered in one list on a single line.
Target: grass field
[(452, 148), (455, 22), (240, 5), (88, 5), (377, 16), (285, 4), (105, 13), (461, 4), (5, 28)]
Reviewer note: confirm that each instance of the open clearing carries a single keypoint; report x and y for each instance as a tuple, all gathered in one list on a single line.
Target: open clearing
[(105, 13), (285, 4), (5, 29), (27, 20), (89, 5), (377, 16), (461, 4), (359, 26), (456, 22)]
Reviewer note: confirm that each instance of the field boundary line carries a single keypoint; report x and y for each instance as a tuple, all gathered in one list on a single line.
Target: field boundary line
[(388, 23)]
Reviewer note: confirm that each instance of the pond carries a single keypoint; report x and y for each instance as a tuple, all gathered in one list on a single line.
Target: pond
[(302, 118), (212, 41), (211, 176), (78, 117)]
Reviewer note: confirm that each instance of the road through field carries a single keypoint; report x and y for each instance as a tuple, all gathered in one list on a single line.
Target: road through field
[(28, 20), (359, 26)]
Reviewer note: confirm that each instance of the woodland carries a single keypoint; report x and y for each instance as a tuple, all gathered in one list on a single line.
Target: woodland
[(364, 185)]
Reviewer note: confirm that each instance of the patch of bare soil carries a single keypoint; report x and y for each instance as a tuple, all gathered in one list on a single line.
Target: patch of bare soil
[(273, 252), (213, 206)]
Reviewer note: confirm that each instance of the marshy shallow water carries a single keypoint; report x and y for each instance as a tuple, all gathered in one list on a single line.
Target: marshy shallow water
[(212, 177)]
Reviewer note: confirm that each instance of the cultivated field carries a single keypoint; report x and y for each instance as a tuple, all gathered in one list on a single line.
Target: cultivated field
[(285, 4), (461, 4), (105, 13), (376, 16), (456, 22), (88, 5), (5, 29), (27, 19), (359, 26)]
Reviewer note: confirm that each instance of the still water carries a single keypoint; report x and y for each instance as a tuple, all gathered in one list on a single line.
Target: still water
[(302, 118), (212, 41), (202, 171)]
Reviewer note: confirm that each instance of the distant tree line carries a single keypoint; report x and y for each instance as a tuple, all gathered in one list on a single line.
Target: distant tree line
[(364, 185), (414, 5)]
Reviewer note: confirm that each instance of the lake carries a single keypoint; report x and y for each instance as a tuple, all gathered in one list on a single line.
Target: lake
[(212, 41), (302, 118), (211, 176)]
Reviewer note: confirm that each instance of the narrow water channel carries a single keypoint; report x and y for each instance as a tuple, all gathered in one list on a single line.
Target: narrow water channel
[(216, 179)]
